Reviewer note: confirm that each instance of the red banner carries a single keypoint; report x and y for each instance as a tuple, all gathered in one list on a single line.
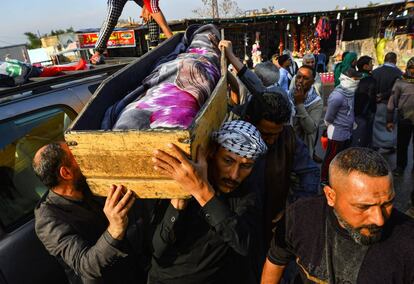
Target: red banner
[(117, 39)]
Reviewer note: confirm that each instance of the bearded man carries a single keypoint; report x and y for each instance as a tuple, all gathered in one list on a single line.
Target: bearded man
[(352, 234)]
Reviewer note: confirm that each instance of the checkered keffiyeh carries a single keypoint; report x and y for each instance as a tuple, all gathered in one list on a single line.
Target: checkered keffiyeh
[(241, 138)]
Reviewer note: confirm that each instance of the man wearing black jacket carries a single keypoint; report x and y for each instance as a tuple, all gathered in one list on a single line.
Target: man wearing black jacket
[(365, 104), (208, 238), (385, 76), (352, 234), (88, 239)]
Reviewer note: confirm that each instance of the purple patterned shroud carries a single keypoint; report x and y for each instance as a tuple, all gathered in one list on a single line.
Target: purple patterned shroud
[(177, 89)]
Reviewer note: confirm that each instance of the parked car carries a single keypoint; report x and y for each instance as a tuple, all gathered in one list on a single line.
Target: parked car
[(31, 116)]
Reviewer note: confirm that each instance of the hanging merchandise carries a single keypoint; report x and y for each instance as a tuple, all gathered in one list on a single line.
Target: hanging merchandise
[(323, 29), (389, 32), (295, 41), (281, 44), (338, 35), (342, 30), (316, 45), (256, 53), (380, 47), (303, 41)]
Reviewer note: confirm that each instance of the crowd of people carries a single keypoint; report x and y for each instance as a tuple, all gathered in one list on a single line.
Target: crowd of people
[(261, 210)]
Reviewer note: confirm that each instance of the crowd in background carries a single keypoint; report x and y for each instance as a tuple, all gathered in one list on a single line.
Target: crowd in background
[(261, 209)]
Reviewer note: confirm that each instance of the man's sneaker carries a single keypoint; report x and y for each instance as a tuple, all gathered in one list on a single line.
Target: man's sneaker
[(97, 59), (398, 171)]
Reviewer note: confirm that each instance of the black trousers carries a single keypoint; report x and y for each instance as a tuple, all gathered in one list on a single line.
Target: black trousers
[(113, 13), (405, 131)]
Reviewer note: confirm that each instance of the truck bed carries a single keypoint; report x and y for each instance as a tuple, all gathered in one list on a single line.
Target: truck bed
[(40, 84)]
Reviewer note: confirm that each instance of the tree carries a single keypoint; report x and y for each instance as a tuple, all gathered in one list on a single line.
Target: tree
[(59, 32), (226, 9), (229, 9), (34, 40)]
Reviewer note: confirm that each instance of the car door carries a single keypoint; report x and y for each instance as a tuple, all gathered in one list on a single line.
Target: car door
[(23, 258)]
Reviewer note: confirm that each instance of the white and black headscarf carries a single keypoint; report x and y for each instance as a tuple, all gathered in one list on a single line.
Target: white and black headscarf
[(241, 138)]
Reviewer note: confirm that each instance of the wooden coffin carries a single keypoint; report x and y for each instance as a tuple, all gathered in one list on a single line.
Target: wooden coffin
[(124, 157)]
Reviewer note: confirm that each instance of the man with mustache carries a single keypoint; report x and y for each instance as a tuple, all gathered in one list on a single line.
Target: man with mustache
[(350, 235), (86, 237), (287, 172), (308, 107), (208, 238)]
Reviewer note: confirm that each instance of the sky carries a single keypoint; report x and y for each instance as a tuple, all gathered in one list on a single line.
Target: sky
[(19, 16)]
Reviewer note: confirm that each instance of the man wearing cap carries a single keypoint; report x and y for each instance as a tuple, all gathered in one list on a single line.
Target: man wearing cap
[(208, 238)]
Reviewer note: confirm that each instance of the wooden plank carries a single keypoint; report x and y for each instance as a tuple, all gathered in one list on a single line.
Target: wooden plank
[(144, 188), (122, 153)]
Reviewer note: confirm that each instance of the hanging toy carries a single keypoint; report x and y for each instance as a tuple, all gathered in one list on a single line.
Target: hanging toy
[(323, 29), (281, 44), (256, 53)]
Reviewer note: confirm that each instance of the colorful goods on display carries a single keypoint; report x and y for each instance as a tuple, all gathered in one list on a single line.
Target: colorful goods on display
[(323, 29), (327, 77), (281, 44), (256, 53)]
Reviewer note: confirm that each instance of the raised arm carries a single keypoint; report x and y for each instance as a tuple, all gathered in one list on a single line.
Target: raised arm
[(235, 227), (253, 83)]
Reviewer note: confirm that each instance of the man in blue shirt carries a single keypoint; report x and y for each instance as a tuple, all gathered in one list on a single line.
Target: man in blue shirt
[(284, 77)]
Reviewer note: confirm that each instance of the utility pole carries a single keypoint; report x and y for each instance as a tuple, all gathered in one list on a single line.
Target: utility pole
[(214, 7)]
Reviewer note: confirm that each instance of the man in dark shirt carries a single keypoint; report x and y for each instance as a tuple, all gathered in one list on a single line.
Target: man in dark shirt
[(365, 104), (352, 234), (207, 239), (286, 172), (385, 77), (89, 243)]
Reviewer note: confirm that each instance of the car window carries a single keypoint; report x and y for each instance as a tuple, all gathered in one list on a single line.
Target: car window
[(21, 137)]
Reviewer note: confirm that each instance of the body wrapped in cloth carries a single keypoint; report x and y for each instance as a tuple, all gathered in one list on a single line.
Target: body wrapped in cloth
[(174, 92)]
